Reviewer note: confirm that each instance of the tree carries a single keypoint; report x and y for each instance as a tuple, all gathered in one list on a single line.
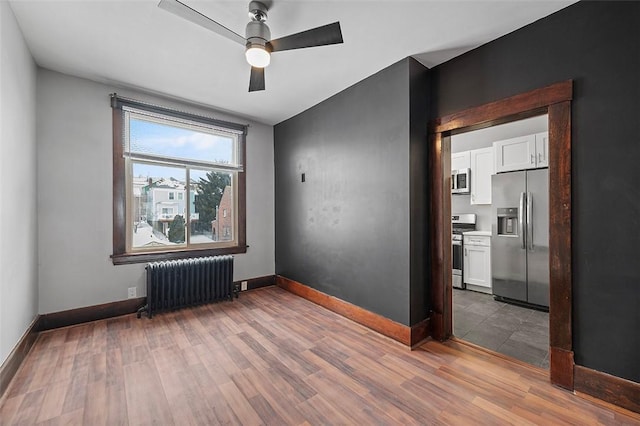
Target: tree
[(176, 231), (209, 192)]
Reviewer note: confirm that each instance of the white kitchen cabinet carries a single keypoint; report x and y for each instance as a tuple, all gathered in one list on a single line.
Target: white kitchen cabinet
[(460, 160), (477, 262), (482, 167), (542, 149), (515, 153), (524, 152)]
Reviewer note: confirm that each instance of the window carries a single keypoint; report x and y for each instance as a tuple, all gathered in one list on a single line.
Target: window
[(159, 153)]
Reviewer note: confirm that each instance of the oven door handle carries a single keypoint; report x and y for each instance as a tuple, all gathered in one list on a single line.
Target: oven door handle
[(521, 217)]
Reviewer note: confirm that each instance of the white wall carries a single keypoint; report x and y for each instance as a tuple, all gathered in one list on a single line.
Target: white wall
[(75, 195), (18, 225)]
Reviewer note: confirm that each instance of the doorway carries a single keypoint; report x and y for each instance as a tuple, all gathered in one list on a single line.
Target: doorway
[(509, 316), (554, 100)]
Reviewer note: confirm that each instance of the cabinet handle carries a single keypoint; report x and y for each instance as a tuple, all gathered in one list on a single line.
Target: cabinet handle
[(533, 159), (465, 252), (539, 157)]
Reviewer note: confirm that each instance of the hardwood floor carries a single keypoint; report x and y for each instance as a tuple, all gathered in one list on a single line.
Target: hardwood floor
[(271, 357)]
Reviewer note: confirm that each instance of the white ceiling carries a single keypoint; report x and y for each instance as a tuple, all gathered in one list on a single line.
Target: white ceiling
[(134, 43)]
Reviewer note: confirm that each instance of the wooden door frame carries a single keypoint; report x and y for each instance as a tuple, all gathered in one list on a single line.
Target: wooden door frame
[(554, 100)]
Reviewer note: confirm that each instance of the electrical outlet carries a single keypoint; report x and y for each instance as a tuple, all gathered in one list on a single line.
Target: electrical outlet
[(243, 286), (132, 293)]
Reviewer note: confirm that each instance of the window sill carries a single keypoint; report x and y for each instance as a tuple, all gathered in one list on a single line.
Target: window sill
[(130, 258)]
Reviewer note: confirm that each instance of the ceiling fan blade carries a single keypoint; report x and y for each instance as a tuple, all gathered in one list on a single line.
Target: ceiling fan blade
[(320, 36), (256, 81), (185, 12)]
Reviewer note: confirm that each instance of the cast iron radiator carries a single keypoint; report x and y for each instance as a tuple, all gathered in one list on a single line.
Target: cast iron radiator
[(180, 283)]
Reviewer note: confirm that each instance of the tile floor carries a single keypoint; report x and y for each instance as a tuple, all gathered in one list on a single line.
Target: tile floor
[(508, 329)]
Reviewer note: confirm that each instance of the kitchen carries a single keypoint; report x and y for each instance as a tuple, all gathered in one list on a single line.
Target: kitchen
[(500, 225)]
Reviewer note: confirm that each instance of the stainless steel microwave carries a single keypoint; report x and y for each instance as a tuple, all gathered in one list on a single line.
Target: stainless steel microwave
[(460, 181)]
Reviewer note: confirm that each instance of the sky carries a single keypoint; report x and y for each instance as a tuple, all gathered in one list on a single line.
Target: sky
[(152, 138)]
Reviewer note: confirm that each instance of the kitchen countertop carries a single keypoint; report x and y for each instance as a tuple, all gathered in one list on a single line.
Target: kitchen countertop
[(477, 233)]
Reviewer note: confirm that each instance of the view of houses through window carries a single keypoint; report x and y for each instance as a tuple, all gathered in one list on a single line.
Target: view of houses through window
[(178, 197), (161, 207)]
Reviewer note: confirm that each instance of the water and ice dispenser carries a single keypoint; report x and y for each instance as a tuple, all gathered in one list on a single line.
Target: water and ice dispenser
[(508, 221)]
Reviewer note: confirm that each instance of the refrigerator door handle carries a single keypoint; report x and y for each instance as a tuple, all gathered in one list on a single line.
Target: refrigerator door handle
[(521, 219), (529, 221)]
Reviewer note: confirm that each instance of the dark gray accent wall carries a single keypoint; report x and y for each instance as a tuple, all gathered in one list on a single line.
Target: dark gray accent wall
[(598, 45), (418, 191), (346, 230)]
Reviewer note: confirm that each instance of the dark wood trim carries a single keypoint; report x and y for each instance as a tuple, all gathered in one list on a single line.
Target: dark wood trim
[(554, 100), (120, 101), (129, 258), (382, 325), (561, 367), (420, 332), (90, 313), (440, 280), (119, 185), (120, 255), (11, 365), (560, 307), (518, 106), (120, 307), (606, 387), (258, 282), (242, 194)]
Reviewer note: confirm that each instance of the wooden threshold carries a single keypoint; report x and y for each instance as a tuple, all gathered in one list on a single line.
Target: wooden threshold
[(461, 344)]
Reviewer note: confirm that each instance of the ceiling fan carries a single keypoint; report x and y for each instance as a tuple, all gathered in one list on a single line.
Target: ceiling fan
[(258, 46)]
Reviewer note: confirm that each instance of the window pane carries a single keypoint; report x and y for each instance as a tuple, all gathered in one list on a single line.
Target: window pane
[(174, 141), (213, 194), (158, 217)]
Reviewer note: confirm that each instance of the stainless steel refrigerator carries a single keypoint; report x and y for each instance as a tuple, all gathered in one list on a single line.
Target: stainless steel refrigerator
[(520, 236)]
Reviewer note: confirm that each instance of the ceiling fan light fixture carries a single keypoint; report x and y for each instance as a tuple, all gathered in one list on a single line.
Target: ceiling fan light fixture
[(258, 34), (257, 40), (257, 56)]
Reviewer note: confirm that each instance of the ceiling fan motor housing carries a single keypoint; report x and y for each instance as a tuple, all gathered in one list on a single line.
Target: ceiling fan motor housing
[(257, 11), (257, 33)]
